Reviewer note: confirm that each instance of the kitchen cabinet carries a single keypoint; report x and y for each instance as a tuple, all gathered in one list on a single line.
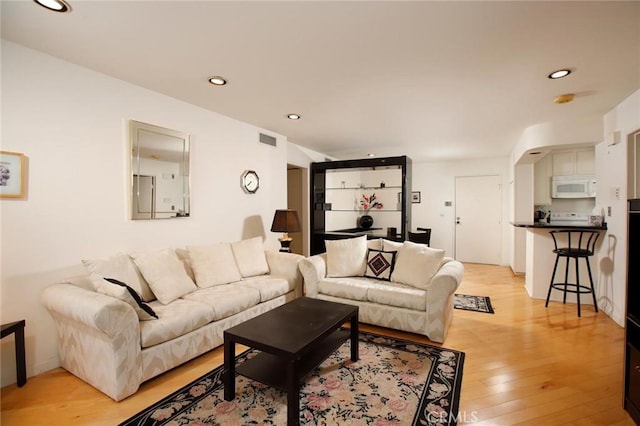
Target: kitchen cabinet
[(574, 162), (542, 172), (338, 188)]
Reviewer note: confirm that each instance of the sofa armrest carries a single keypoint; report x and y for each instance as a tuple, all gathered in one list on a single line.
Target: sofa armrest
[(448, 278), (313, 269), (440, 295), (98, 338), (286, 265)]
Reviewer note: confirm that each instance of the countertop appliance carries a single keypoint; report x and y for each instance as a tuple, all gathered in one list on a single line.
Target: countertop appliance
[(569, 219), (573, 186)]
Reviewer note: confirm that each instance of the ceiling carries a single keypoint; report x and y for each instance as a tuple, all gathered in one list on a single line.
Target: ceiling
[(431, 80)]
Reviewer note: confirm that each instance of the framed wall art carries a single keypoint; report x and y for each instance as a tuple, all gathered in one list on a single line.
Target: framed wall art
[(415, 197), (12, 175)]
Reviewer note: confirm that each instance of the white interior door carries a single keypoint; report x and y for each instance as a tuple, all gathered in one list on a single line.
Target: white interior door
[(478, 219)]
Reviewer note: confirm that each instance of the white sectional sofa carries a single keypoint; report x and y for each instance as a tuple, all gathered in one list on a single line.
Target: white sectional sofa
[(187, 298), (405, 286)]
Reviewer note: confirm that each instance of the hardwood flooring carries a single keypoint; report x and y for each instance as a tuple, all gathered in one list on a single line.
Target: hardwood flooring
[(525, 365)]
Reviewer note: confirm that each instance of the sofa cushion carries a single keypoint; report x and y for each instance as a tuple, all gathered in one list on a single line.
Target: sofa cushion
[(250, 257), (400, 295), (122, 291), (268, 286), (416, 264), (165, 274), (380, 264), (354, 288), (346, 258), (227, 299), (174, 320), (120, 267), (213, 264)]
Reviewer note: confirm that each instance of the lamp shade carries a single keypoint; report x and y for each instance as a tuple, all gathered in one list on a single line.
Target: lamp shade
[(285, 221)]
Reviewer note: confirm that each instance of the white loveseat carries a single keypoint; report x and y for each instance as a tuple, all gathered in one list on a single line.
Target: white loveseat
[(405, 286), (114, 343)]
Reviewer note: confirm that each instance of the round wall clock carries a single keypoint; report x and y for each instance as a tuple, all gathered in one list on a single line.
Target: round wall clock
[(250, 182)]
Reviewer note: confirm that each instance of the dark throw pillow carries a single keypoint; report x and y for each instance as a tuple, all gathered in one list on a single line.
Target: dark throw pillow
[(144, 311), (380, 264)]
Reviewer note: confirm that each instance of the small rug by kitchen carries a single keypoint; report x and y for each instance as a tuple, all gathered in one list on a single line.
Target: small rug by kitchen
[(473, 303), (394, 382)]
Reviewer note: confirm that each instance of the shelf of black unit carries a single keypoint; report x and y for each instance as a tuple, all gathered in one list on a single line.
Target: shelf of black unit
[(272, 369), (365, 188), (362, 213)]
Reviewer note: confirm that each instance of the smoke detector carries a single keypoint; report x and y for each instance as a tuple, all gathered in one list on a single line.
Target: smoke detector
[(563, 99)]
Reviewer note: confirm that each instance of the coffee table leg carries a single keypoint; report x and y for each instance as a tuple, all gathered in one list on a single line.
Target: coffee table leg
[(229, 376), (355, 353), (293, 395)]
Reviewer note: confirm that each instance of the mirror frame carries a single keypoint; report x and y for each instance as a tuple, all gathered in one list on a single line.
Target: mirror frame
[(184, 205)]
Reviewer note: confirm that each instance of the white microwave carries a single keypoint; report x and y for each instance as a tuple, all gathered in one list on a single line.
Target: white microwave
[(574, 186)]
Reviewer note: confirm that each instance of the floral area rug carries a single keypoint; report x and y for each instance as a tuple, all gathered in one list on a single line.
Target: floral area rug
[(395, 382), (473, 303)]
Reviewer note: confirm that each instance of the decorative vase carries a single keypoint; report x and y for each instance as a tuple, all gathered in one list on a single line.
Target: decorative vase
[(365, 221)]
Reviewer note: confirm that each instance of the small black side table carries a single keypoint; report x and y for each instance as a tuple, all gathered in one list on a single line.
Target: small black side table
[(21, 366)]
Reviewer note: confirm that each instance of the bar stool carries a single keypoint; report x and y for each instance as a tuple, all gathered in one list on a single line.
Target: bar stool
[(579, 245), (423, 236)]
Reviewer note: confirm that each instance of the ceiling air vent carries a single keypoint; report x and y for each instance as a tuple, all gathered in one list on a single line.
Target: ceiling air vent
[(269, 140)]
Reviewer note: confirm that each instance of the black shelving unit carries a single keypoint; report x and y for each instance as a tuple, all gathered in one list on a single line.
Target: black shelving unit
[(320, 207), (632, 330)]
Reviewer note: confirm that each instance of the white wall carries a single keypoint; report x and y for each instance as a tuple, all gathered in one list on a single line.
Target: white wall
[(436, 183), (611, 172), (72, 125)]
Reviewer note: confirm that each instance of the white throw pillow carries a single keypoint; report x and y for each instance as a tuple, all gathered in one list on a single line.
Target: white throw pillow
[(388, 245), (375, 244), (250, 257), (213, 265), (416, 264), (165, 274), (346, 258), (120, 267)]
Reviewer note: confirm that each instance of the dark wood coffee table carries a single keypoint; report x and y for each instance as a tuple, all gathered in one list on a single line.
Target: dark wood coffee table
[(293, 339)]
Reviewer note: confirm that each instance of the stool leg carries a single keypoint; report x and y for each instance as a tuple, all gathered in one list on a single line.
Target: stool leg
[(566, 280), (578, 283), (553, 274), (593, 290)]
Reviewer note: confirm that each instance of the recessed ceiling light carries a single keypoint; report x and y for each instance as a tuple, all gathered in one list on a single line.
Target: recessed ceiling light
[(559, 74), (563, 99), (55, 5), (217, 80), (293, 116), (371, 155)]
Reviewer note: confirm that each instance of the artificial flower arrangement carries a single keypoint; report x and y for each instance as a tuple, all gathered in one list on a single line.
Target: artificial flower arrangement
[(369, 202)]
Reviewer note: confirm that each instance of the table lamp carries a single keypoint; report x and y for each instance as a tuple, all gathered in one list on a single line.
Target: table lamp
[(285, 221)]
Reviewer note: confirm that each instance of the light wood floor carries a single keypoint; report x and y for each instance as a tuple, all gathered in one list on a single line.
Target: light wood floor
[(524, 365)]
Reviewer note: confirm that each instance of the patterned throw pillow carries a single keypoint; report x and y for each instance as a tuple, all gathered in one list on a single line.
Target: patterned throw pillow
[(128, 295), (380, 264)]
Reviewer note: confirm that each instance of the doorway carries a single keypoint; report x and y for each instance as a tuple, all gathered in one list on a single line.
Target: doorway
[(297, 199), (144, 197), (478, 226)]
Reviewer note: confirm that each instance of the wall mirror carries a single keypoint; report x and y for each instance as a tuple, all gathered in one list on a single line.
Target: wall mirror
[(159, 172)]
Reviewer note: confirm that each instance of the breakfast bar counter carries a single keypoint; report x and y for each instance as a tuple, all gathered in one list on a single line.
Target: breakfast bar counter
[(540, 258)]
